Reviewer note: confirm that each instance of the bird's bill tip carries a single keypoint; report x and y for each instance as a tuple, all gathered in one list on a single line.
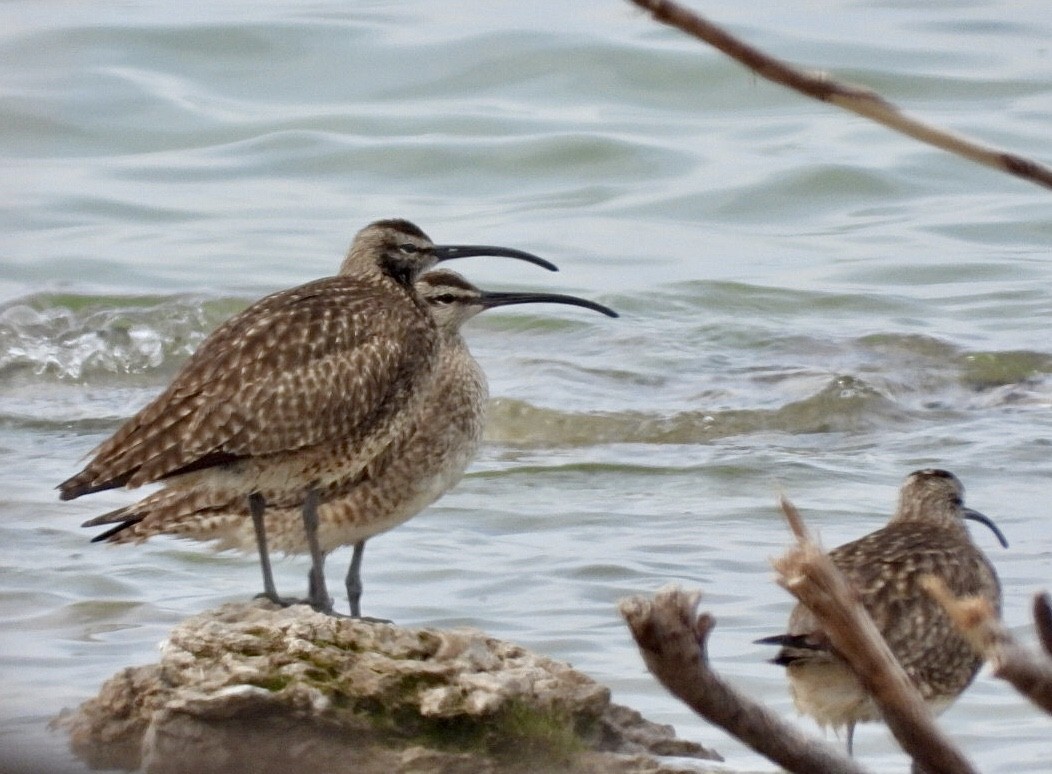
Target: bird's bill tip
[(491, 300), (451, 252), (982, 518)]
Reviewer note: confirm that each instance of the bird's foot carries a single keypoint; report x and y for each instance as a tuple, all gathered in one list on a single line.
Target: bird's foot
[(319, 606), (326, 608), (329, 610), (282, 601), (370, 619)]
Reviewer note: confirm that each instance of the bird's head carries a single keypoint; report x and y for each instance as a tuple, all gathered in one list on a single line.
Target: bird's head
[(401, 250)]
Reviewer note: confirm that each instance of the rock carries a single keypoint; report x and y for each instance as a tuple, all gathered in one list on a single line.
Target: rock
[(258, 689)]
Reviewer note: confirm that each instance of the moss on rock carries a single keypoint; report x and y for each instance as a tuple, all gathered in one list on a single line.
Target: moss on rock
[(229, 677)]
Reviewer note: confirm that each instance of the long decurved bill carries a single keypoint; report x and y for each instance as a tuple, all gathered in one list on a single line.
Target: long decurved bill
[(982, 518), (449, 252), (490, 300)]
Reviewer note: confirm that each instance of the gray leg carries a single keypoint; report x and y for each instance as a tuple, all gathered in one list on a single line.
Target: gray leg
[(318, 595), (256, 506), (313, 590), (354, 585), (354, 580), (851, 740)]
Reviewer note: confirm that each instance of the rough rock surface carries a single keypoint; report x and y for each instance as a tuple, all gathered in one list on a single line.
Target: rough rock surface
[(257, 689)]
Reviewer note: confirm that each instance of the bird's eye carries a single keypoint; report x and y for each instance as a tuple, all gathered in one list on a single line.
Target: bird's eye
[(409, 249), (445, 298)]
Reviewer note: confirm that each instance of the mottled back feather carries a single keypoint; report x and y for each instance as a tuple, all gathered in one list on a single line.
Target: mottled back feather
[(886, 568), (315, 364)]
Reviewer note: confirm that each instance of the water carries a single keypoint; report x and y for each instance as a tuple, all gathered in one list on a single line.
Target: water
[(811, 305)]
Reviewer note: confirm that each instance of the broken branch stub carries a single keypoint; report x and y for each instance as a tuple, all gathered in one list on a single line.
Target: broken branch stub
[(673, 639), (1029, 672)]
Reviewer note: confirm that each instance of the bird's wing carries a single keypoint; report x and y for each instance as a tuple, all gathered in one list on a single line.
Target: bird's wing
[(324, 362), (885, 569), (889, 583)]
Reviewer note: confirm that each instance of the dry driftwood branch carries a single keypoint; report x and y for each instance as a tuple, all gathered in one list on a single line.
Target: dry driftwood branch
[(1030, 673), (809, 575), (672, 638), (857, 99)]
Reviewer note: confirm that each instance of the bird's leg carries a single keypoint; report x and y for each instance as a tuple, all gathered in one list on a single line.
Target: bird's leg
[(313, 591), (851, 740), (256, 506), (354, 585), (354, 580), (318, 594)]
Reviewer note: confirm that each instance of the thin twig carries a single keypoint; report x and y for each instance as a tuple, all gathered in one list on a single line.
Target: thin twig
[(810, 575), (672, 638), (1030, 673), (857, 99)]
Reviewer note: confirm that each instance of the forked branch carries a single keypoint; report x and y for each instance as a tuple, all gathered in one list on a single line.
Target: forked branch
[(673, 638)]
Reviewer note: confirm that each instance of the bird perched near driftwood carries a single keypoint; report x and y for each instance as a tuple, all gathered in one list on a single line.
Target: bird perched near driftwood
[(305, 388), (926, 536), (428, 456)]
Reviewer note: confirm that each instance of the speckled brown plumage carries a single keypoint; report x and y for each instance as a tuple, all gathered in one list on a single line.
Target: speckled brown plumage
[(926, 536), (326, 364), (426, 459), (303, 389)]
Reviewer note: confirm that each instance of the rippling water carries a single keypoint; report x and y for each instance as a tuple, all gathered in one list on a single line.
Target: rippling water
[(811, 305)]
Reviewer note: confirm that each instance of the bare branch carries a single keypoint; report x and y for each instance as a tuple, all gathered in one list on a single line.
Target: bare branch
[(1030, 673), (672, 638), (857, 99), (810, 576)]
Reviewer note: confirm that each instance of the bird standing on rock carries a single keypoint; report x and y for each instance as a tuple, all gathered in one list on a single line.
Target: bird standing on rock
[(305, 388), (926, 536), (425, 460)]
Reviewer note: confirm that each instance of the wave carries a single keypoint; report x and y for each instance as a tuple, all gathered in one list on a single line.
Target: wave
[(66, 337), (599, 386)]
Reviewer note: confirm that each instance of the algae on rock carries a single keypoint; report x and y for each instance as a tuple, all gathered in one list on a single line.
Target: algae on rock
[(258, 689)]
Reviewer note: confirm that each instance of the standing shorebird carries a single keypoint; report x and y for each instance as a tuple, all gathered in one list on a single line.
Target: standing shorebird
[(425, 460), (926, 536), (304, 388)]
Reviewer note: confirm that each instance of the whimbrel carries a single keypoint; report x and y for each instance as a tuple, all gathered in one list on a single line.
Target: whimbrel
[(926, 536), (424, 461), (304, 388)]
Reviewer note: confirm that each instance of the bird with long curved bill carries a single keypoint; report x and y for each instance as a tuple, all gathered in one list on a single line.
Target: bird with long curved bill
[(424, 461), (887, 568), (303, 389)]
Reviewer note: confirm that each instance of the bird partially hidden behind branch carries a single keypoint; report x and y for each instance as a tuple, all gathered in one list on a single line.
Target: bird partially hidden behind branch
[(926, 536), (426, 458), (305, 388)]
